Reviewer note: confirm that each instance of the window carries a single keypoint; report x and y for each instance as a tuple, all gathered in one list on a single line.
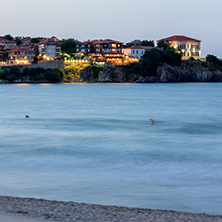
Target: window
[(136, 51), (194, 53), (182, 46), (133, 51), (196, 47)]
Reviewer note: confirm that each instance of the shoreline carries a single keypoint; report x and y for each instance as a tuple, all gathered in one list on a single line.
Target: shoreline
[(70, 211)]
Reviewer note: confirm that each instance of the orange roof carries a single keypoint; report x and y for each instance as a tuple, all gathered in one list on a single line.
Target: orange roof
[(141, 47), (18, 49), (179, 38), (6, 41), (105, 41)]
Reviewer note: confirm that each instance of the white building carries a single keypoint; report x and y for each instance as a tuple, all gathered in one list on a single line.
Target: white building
[(136, 51), (50, 49)]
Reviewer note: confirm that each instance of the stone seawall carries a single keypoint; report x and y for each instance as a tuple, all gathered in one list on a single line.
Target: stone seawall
[(41, 64), (47, 65)]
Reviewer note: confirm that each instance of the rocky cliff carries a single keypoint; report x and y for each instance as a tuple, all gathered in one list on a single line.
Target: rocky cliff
[(167, 74), (170, 74)]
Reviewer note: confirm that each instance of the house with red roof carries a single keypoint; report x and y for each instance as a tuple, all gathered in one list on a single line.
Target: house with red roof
[(136, 51), (3, 55), (99, 46), (7, 43), (49, 49), (190, 47), (21, 55)]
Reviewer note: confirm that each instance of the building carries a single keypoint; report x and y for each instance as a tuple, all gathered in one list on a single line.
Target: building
[(7, 43), (83, 47), (136, 51), (190, 47), (21, 55), (3, 55), (134, 42), (113, 57), (49, 49), (99, 46)]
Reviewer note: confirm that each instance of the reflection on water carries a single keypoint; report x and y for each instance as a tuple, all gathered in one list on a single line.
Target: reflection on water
[(94, 143)]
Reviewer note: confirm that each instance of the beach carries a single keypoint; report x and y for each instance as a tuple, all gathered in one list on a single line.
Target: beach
[(70, 211)]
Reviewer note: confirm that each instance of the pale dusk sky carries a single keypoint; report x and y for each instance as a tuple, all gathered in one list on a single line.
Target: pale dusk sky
[(123, 20)]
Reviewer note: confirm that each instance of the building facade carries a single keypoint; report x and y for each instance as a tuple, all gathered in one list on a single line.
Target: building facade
[(99, 46), (21, 55), (49, 49), (136, 51), (190, 47)]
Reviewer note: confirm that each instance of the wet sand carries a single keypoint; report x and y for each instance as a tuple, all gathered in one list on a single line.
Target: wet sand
[(70, 211)]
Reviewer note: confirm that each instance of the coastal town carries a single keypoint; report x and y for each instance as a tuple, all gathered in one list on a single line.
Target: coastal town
[(38, 60), (27, 50)]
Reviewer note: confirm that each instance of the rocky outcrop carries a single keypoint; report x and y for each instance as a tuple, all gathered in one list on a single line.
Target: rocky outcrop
[(104, 76), (171, 74), (86, 75), (111, 75), (118, 76), (148, 79)]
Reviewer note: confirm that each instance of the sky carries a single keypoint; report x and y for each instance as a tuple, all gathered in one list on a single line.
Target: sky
[(123, 20)]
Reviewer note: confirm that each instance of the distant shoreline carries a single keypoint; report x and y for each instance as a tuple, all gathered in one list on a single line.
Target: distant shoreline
[(70, 211)]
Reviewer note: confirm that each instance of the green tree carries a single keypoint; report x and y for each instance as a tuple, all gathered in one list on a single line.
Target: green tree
[(163, 44), (150, 61), (53, 75), (68, 46), (60, 71), (8, 37), (171, 56), (212, 59), (35, 40), (26, 72), (18, 41), (96, 69), (147, 43), (15, 70), (191, 58), (36, 51), (3, 73), (11, 77)]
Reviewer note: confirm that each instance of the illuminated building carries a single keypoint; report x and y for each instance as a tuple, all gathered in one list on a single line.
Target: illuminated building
[(190, 47), (136, 51), (49, 49), (21, 55)]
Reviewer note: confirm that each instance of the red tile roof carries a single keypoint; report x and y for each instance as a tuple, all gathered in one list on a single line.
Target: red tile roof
[(141, 47), (18, 49), (105, 41), (6, 41), (179, 38)]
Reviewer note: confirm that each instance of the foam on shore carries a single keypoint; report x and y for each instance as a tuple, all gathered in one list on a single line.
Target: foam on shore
[(70, 211)]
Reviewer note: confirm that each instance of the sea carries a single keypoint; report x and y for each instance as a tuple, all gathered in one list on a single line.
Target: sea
[(94, 143)]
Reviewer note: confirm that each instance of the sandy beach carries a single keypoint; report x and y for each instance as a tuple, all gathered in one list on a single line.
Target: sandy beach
[(70, 211)]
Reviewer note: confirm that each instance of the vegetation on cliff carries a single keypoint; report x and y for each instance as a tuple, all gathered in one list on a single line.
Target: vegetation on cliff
[(31, 75), (162, 54)]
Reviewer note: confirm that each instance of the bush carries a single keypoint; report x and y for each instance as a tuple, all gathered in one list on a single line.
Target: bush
[(150, 61), (26, 72), (3, 73), (11, 77), (191, 58), (52, 75), (15, 70)]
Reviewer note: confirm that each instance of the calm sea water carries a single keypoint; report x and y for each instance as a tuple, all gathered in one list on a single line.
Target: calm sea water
[(94, 143)]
